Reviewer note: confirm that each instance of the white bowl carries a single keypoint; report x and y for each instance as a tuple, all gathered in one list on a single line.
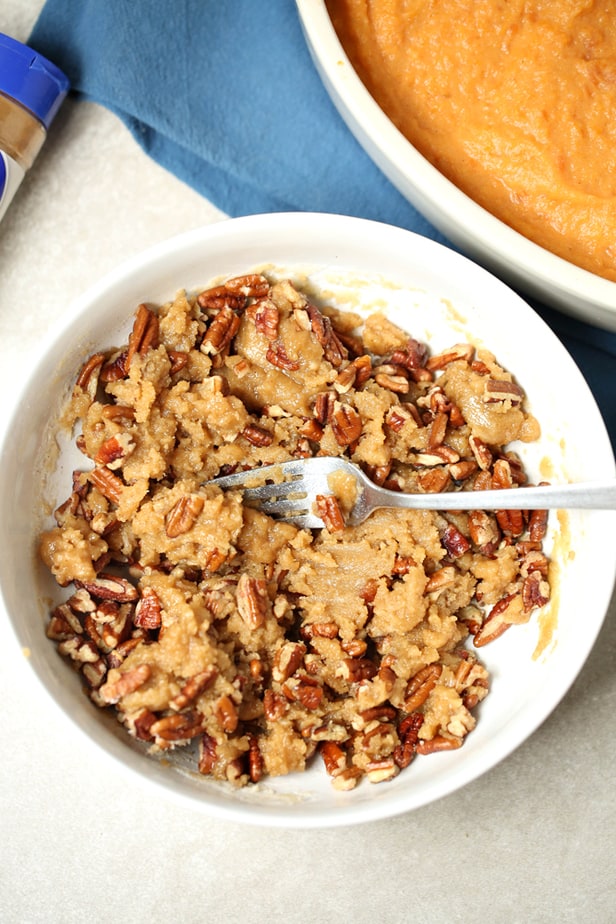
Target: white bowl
[(439, 296), (522, 263)]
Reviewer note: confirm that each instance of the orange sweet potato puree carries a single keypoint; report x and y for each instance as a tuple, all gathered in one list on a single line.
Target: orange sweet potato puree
[(513, 100)]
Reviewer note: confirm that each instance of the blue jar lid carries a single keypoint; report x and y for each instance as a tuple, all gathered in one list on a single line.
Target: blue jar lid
[(31, 80)]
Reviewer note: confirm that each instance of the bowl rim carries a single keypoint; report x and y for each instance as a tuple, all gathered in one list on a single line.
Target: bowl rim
[(408, 170), (521, 728)]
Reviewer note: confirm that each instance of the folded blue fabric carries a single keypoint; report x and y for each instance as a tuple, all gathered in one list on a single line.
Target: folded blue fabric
[(225, 95)]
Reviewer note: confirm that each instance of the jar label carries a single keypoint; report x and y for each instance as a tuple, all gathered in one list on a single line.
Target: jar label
[(11, 175)]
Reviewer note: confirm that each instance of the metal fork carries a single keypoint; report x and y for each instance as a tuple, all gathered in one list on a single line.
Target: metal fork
[(289, 490)]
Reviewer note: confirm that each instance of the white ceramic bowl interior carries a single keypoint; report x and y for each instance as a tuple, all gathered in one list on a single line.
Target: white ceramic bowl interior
[(438, 296), (467, 225)]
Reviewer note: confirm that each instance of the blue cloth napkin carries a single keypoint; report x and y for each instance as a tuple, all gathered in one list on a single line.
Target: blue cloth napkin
[(224, 94)]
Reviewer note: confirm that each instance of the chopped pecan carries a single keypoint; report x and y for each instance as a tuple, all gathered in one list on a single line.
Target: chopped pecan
[(148, 610), (396, 383), (274, 705), (333, 349), (420, 686), (258, 436), (252, 600), (438, 743), (496, 390), (464, 351), (256, 764), (454, 541), (438, 429), (397, 416), (226, 714), (114, 450), (304, 690), (328, 509), (334, 757), (538, 525), (484, 531), (193, 688), (462, 470), (434, 480), (312, 430), (144, 334), (221, 331), (346, 424), (207, 754), (110, 587), (287, 660), (79, 649), (250, 285), (324, 404), (482, 454), (88, 376), (178, 359), (109, 484), (180, 726), (535, 591), (440, 579), (183, 515), (379, 771), (354, 647), (266, 318), (496, 622), (356, 670), (408, 732), (113, 691), (115, 368), (277, 355), (412, 356)]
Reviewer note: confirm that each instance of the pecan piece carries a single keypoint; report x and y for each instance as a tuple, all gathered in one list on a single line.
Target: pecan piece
[(114, 450), (438, 743), (207, 754), (346, 424), (328, 508), (535, 591), (88, 376), (464, 351), (252, 600), (113, 691), (266, 318), (144, 334), (226, 714), (538, 525), (277, 355), (109, 484), (334, 757), (255, 760), (274, 705), (148, 610), (221, 331), (408, 732), (496, 622), (454, 541), (496, 390), (183, 515), (181, 726), (258, 436), (110, 587), (287, 660), (420, 686), (193, 688)]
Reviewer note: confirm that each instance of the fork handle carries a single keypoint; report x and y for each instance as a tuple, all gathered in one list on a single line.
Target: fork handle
[(590, 496)]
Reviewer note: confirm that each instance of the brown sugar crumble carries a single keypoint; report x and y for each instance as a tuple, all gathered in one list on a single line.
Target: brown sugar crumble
[(203, 622)]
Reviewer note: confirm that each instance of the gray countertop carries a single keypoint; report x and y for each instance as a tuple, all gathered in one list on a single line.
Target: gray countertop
[(531, 841)]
